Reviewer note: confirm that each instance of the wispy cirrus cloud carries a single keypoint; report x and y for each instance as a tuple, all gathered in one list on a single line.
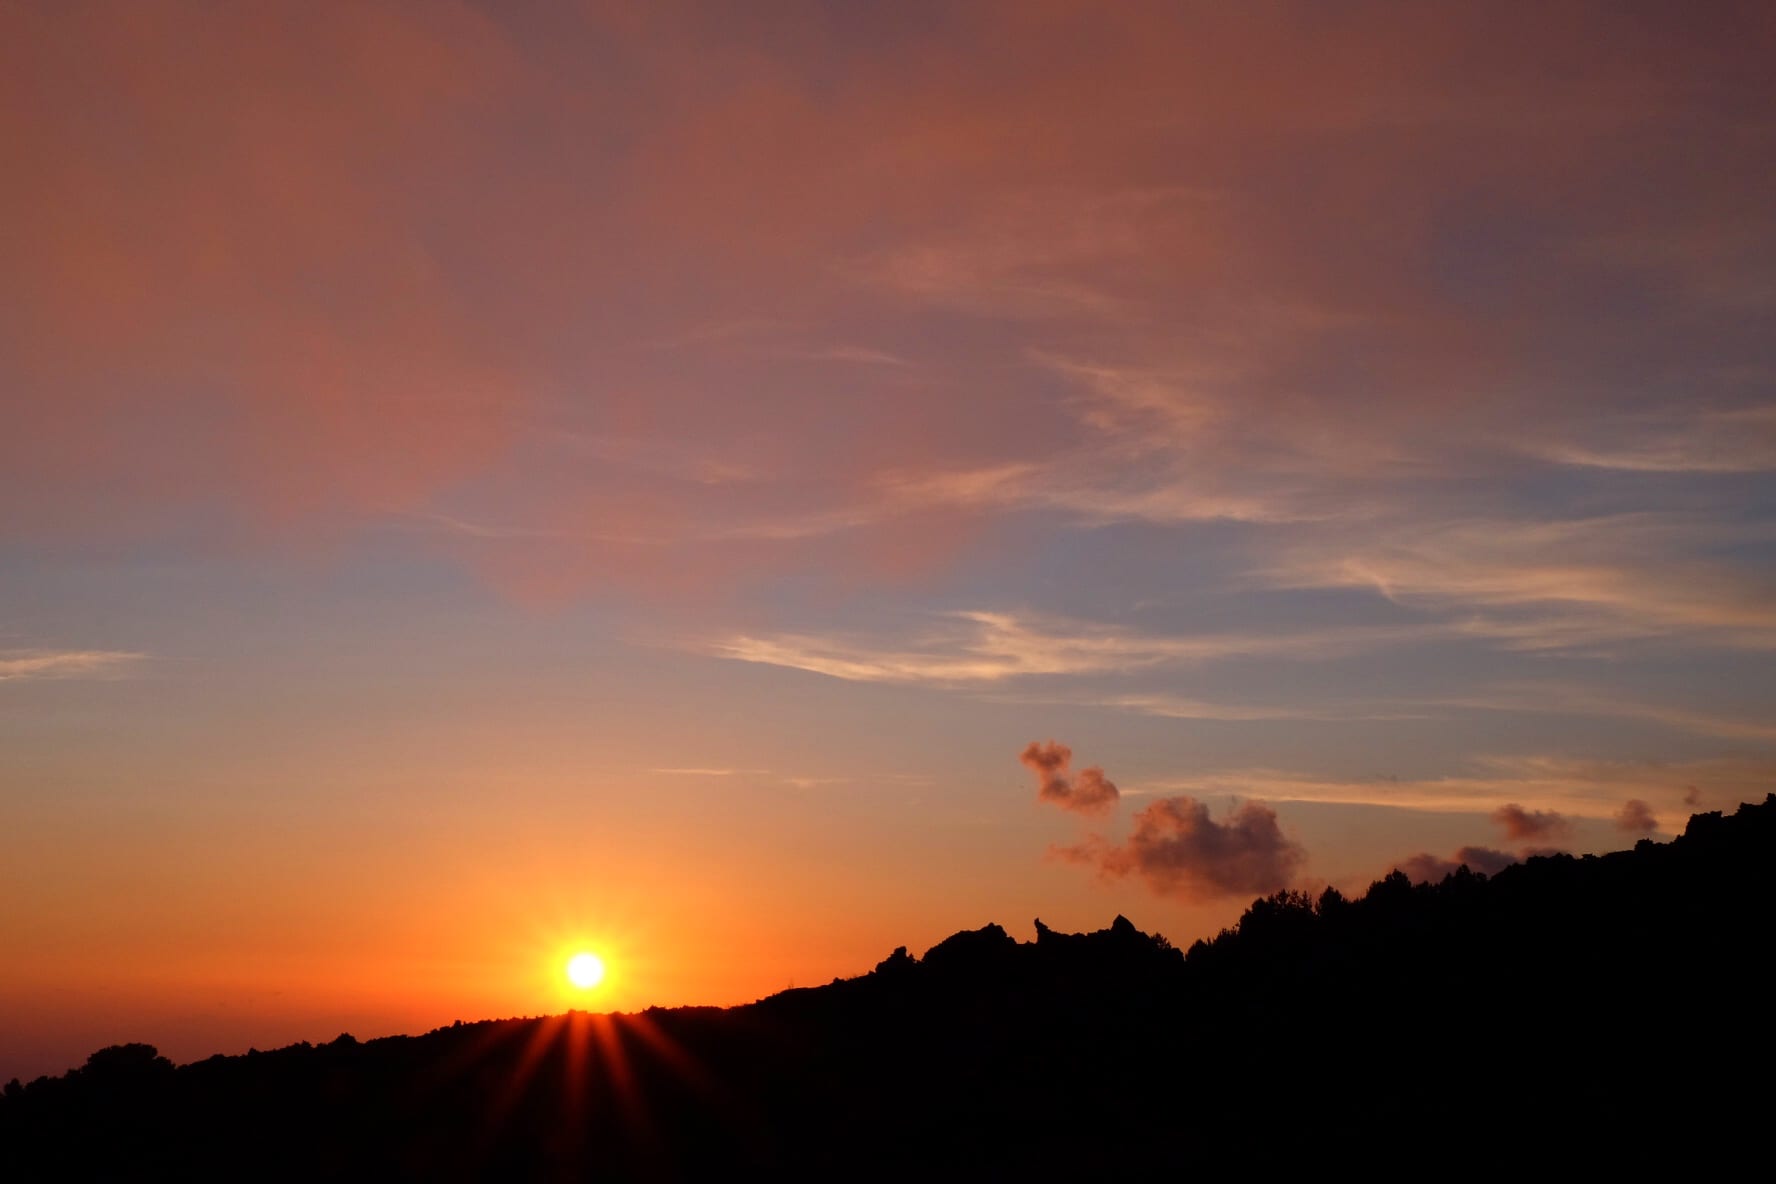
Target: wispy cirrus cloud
[(722, 771), (1173, 445), (21, 665), (988, 647), (1572, 787), (1736, 440), (1554, 584), (857, 354), (1181, 707), (1167, 705), (1552, 699), (1555, 698)]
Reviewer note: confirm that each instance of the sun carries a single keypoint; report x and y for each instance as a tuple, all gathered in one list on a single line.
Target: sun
[(585, 971)]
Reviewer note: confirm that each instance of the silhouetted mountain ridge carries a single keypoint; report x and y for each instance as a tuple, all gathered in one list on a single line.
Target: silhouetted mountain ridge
[(1565, 1007)]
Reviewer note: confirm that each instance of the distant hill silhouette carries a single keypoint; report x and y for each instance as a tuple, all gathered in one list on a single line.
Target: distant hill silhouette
[(1575, 1013)]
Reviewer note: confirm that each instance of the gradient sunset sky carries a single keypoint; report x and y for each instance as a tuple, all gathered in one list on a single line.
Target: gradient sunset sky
[(485, 480)]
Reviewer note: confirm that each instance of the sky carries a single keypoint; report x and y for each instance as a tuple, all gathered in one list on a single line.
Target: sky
[(743, 488)]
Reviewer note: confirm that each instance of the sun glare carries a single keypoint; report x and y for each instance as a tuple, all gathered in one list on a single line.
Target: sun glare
[(585, 971)]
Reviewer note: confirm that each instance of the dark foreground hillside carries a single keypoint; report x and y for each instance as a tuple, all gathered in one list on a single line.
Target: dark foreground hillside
[(1570, 1013)]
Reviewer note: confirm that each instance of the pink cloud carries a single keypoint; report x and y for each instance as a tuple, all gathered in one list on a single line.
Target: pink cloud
[(232, 295), (1636, 817), (1426, 868), (1088, 792), (1178, 850), (1519, 823), (298, 307)]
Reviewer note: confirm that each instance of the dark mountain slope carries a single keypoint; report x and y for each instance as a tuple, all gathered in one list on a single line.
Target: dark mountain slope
[(1592, 1011)]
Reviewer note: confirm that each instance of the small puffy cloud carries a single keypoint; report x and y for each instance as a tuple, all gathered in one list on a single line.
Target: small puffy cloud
[(1094, 791), (1692, 796), (1425, 868), (1519, 823), (1485, 860), (1180, 851), (1049, 761), (1636, 817), (1090, 792)]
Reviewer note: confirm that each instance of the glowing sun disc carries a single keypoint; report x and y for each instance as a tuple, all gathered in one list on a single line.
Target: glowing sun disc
[(585, 970)]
